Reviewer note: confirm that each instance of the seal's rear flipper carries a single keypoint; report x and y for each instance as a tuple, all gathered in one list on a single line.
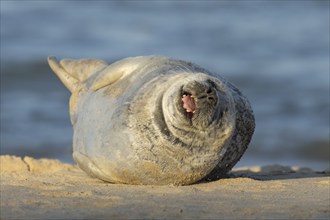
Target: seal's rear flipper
[(74, 72)]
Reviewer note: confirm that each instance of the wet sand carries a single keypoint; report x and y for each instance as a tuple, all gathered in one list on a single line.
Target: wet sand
[(49, 189)]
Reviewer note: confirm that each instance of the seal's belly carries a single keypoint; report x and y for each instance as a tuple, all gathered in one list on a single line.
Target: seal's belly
[(100, 130)]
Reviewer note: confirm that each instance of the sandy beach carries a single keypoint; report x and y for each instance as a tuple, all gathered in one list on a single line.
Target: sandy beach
[(49, 189)]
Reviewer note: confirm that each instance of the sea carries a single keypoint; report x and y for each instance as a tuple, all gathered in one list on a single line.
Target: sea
[(275, 52)]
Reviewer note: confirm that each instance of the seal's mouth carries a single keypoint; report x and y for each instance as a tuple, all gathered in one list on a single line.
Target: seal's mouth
[(189, 103)]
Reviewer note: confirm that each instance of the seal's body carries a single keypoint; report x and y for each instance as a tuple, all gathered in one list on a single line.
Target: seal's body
[(154, 120)]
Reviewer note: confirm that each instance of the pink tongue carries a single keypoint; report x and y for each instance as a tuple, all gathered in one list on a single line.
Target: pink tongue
[(188, 103)]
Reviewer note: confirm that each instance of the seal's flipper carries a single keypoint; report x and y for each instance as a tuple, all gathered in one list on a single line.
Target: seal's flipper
[(68, 80), (74, 72), (118, 70)]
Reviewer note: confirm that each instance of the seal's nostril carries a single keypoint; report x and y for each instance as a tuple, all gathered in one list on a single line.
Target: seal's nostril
[(209, 91)]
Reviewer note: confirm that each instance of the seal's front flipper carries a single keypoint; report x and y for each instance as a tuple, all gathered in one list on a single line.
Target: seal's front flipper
[(118, 70), (73, 72)]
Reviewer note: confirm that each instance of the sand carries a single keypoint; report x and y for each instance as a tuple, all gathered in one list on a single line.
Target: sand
[(49, 189)]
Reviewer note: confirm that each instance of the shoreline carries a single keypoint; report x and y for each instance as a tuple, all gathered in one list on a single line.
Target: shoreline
[(44, 188)]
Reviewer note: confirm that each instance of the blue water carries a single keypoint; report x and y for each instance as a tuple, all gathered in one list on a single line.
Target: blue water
[(276, 52)]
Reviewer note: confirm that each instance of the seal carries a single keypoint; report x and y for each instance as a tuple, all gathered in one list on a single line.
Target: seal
[(154, 120)]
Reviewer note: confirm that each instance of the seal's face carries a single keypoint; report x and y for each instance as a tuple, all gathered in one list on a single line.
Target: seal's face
[(199, 102), (198, 107), (198, 112)]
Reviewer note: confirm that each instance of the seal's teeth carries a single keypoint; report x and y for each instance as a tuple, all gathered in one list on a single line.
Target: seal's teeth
[(188, 110), (184, 96), (194, 111)]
